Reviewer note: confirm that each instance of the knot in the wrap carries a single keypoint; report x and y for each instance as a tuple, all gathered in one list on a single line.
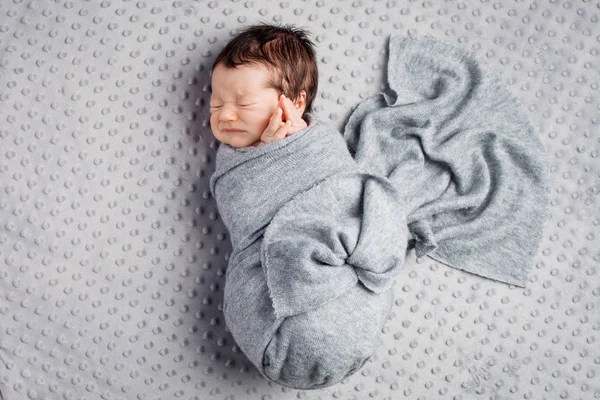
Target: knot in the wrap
[(349, 228)]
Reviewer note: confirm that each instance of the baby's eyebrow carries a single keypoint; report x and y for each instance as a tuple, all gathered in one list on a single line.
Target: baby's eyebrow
[(246, 97)]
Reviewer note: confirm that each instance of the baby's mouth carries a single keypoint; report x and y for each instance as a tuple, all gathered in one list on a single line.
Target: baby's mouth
[(230, 130)]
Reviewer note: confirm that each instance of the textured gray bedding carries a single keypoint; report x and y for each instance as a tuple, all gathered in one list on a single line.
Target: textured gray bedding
[(113, 255)]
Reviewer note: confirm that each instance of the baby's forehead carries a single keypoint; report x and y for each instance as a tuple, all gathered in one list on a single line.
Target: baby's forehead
[(242, 80), (240, 90)]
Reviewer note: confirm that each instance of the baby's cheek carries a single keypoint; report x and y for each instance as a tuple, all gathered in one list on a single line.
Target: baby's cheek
[(262, 120), (213, 122)]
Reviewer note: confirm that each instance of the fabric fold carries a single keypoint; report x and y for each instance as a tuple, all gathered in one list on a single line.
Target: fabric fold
[(463, 151), (348, 228)]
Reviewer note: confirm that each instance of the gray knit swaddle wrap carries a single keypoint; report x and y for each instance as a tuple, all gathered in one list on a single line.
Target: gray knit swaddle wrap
[(320, 223)]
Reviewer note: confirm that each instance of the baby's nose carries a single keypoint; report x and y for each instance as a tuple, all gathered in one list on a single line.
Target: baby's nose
[(228, 113)]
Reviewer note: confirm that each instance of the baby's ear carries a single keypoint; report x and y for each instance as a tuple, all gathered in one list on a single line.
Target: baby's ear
[(300, 102)]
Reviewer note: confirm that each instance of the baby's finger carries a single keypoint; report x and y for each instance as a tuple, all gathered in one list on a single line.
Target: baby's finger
[(281, 132), (291, 113), (276, 116), (274, 123), (287, 107)]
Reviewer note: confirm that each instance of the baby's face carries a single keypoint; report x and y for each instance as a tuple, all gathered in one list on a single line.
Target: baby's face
[(241, 104)]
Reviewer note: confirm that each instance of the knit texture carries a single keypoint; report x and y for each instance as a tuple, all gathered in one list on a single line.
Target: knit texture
[(461, 149), (447, 163)]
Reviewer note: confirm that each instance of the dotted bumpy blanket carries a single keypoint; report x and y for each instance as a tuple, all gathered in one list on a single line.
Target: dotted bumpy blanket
[(445, 162)]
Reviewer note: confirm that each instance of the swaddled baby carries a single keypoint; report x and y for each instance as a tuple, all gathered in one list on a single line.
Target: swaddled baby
[(319, 222), (305, 301)]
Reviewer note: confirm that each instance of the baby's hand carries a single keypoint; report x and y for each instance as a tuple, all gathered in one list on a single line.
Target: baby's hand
[(285, 121)]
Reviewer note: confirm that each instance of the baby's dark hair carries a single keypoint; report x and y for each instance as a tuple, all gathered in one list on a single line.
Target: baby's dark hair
[(285, 50)]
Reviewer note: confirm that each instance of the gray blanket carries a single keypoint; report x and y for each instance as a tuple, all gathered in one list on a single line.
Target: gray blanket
[(320, 223)]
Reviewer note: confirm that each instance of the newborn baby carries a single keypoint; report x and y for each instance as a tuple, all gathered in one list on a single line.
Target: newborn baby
[(320, 223), (297, 300)]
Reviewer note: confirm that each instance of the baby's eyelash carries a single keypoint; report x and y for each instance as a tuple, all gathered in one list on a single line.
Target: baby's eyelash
[(239, 105)]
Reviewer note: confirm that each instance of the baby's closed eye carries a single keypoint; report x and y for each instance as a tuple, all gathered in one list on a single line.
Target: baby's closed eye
[(216, 107)]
